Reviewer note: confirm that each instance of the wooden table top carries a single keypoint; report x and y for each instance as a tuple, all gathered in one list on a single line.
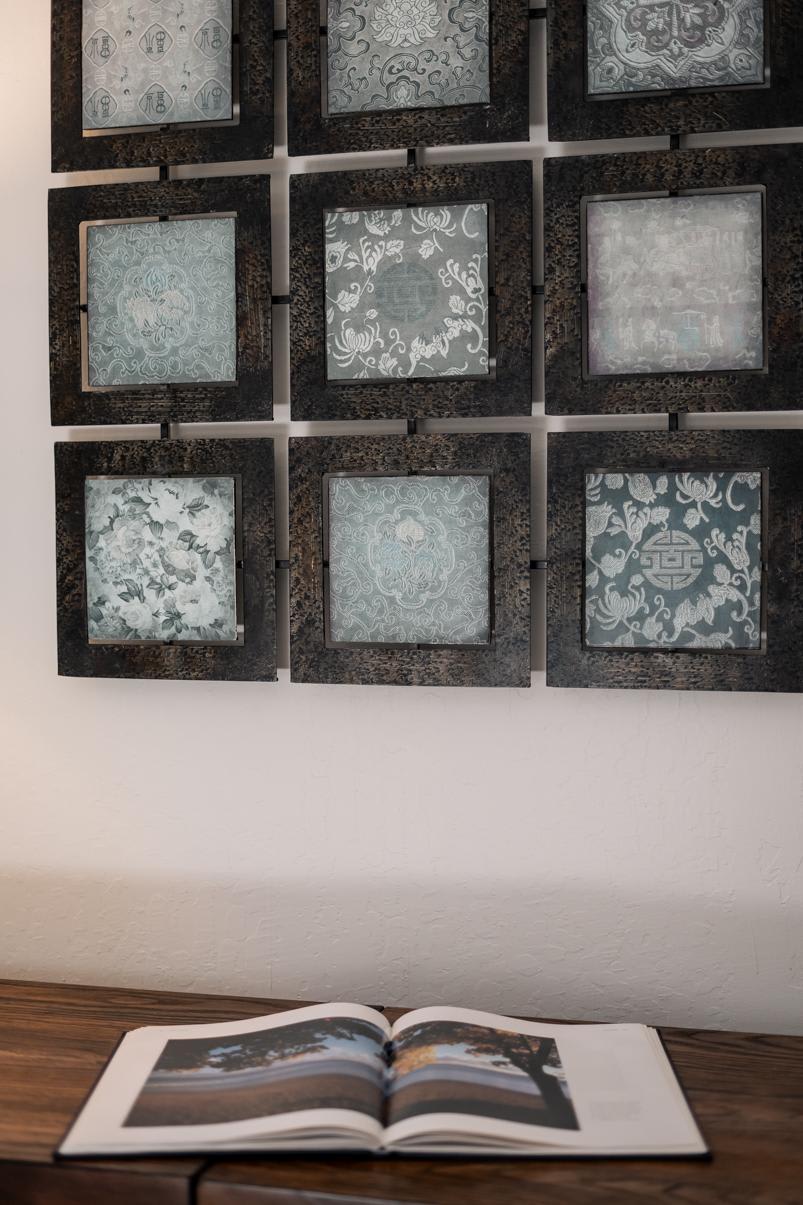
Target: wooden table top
[(746, 1091)]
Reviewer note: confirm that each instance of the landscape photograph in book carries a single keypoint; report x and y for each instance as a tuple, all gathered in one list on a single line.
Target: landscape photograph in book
[(326, 1063), (454, 1067)]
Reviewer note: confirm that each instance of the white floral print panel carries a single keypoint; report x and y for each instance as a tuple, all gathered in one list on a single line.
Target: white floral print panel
[(407, 292), (156, 62), (407, 54), (673, 560), (161, 559), (409, 560), (675, 284), (161, 302)]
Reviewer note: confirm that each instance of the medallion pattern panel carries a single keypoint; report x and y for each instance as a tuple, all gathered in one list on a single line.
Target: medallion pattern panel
[(675, 284), (673, 560), (407, 54), (161, 302), (660, 45), (409, 560), (156, 62), (407, 292), (160, 559)]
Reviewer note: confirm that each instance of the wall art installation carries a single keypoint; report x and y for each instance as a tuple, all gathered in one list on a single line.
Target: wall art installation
[(160, 302), (166, 559), (670, 281), (635, 68), (385, 73), (417, 280), (410, 560), (138, 82), (669, 563)]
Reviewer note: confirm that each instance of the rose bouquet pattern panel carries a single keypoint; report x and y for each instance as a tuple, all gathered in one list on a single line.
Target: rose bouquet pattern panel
[(161, 559), (673, 560), (161, 302), (156, 62), (660, 45), (409, 560), (407, 292), (675, 284), (407, 54)]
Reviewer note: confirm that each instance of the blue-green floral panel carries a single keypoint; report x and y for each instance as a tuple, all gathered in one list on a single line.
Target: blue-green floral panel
[(673, 560), (675, 284), (662, 45), (160, 559), (156, 62), (161, 302), (409, 560), (407, 54), (407, 292)]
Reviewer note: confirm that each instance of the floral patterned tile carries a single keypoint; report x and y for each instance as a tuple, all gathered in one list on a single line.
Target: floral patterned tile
[(409, 560), (161, 559), (675, 284), (649, 45), (156, 62), (407, 292), (161, 302), (673, 560), (407, 54)]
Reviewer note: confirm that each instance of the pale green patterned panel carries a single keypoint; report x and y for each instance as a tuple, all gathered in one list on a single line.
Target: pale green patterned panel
[(162, 302), (160, 559), (673, 560), (409, 560)]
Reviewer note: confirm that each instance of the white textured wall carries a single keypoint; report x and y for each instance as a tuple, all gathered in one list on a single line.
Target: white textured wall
[(610, 854)]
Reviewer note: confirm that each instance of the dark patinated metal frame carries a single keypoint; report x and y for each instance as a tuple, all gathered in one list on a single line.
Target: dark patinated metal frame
[(569, 182), (505, 660), (250, 462), (248, 137), (312, 132), (250, 397), (778, 666), (507, 390), (574, 115)]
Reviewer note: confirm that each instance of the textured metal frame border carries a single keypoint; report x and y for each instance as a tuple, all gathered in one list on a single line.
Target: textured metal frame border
[(250, 398), (779, 667), (575, 117), (506, 392), (251, 460), (505, 119), (250, 138), (567, 181), (505, 661)]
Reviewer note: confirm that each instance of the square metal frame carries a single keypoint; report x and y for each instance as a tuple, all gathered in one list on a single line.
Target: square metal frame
[(508, 390), (250, 461), (250, 137), (571, 181), (777, 454), (576, 116), (505, 660), (251, 396), (312, 132)]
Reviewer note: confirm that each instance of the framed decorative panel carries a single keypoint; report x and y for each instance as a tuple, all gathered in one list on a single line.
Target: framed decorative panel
[(166, 559), (636, 68), (368, 74), (160, 302), (410, 560), (411, 292), (672, 281), (674, 560), (138, 83)]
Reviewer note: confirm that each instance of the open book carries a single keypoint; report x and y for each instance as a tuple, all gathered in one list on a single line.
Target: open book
[(340, 1077)]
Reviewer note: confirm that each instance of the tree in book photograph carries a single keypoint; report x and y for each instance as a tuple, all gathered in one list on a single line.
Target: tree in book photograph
[(326, 1063), (456, 1067)]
